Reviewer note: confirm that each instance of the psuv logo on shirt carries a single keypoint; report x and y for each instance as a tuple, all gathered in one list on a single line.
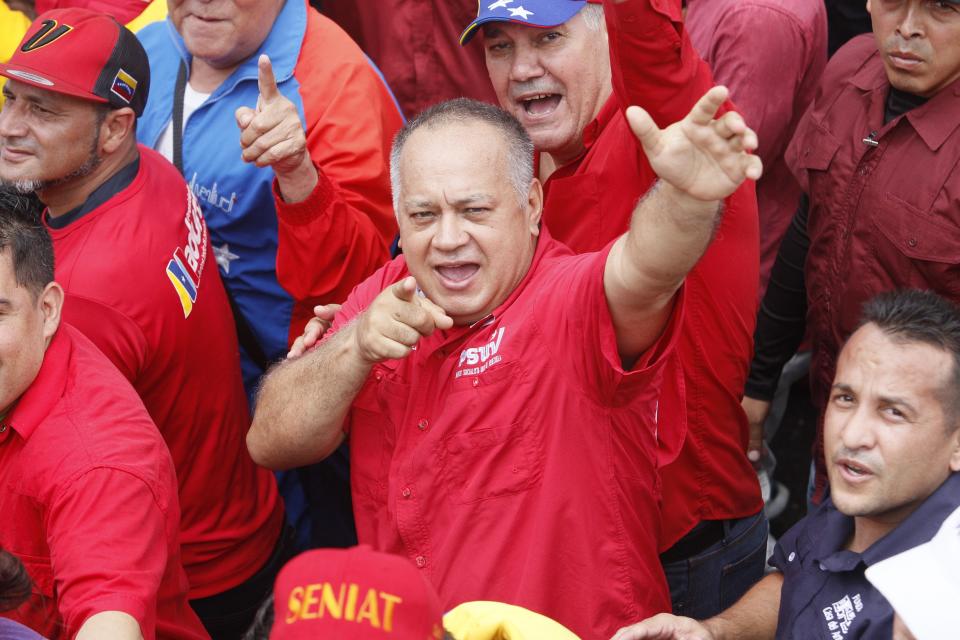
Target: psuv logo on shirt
[(841, 614), (476, 360), (186, 266)]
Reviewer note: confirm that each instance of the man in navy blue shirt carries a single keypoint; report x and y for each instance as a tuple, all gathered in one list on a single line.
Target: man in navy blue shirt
[(892, 444)]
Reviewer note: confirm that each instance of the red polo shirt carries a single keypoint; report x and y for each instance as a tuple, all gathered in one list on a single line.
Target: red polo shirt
[(515, 460), (89, 500), (589, 202), (142, 284)]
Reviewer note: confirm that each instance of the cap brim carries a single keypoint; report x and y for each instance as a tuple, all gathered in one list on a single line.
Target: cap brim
[(557, 17), (27, 75)]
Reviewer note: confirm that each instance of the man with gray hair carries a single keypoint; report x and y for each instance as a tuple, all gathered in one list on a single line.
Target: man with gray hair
[(567, 69), (500, 394)]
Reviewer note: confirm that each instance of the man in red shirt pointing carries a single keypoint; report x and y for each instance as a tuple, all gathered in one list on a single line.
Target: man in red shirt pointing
[(499, 393)]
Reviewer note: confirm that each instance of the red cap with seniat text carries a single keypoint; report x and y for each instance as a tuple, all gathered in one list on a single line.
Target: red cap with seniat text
[(354, 594)]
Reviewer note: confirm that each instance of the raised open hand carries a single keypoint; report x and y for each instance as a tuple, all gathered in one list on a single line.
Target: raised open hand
[(705, 158)]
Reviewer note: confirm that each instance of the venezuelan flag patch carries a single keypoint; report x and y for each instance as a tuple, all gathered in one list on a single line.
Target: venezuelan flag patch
[(186, 289)]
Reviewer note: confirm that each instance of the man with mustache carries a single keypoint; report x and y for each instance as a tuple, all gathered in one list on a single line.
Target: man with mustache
[(892, 441), (499, 393), (878, 155), (567, 69)]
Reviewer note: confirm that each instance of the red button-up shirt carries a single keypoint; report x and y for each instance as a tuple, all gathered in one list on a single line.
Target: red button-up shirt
[(417, 47), (771, 54), (589, 202), (884, 213), (515, 460), (88, 499)]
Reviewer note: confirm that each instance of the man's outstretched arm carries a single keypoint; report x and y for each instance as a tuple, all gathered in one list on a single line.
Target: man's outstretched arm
[(303, 402), (700, 161)]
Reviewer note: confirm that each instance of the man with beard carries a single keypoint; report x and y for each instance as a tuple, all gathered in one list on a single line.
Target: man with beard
[(136, 265), (567, 69)]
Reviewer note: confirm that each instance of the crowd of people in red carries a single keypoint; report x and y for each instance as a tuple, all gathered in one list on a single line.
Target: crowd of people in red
[(501, 292)]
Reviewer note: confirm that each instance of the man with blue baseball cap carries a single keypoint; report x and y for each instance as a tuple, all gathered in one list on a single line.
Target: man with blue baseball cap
[(567, 70)]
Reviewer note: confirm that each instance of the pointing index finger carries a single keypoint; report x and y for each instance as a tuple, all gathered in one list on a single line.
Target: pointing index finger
[(266, 81)]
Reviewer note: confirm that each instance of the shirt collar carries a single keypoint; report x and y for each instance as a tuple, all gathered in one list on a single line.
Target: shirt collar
[(921, 525), (111, 187), (283, 45), (936, 120), (593, 130), (45, 391), (933, 121), (833, 530)]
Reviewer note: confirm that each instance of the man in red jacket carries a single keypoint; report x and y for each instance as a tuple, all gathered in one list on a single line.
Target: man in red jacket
[(567, 70)]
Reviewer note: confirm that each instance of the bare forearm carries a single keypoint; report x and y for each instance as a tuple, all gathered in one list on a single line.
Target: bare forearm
[(110, 624), (754, 616), (669, 232), (303, 402)]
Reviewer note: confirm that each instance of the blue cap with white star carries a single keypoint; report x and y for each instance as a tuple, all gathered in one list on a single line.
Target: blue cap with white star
[(533, 13)]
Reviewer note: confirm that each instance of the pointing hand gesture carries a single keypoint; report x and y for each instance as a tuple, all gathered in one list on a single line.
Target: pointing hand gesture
[(705, 158), (396, 320), (272, 136)]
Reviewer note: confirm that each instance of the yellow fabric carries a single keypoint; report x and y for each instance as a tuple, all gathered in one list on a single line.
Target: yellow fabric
[(13, 26), (155, 11), (498, 621)]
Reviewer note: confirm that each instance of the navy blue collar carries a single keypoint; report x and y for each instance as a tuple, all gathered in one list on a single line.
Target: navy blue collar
[(834, 529), (111, 187)]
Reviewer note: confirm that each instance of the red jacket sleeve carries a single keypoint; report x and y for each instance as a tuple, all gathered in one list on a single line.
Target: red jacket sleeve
[(653, 62), (342, 232)]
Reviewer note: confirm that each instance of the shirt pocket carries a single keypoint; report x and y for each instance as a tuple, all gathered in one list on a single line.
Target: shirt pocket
[(915, 250), (493, 449), (815, 154)]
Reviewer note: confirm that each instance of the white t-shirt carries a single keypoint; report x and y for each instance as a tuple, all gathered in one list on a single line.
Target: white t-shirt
[(191, 102)]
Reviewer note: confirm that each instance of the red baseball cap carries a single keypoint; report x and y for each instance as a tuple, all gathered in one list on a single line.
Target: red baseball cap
[(354, 594), (83, 53)]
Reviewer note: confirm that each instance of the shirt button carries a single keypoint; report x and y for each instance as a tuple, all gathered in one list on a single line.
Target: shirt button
[(3, 428), (406, 493), (792, 556), (863, 171), (476, 382), (423, 424), (378, 376), (912, 242), (421, 561), (823, 567)]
